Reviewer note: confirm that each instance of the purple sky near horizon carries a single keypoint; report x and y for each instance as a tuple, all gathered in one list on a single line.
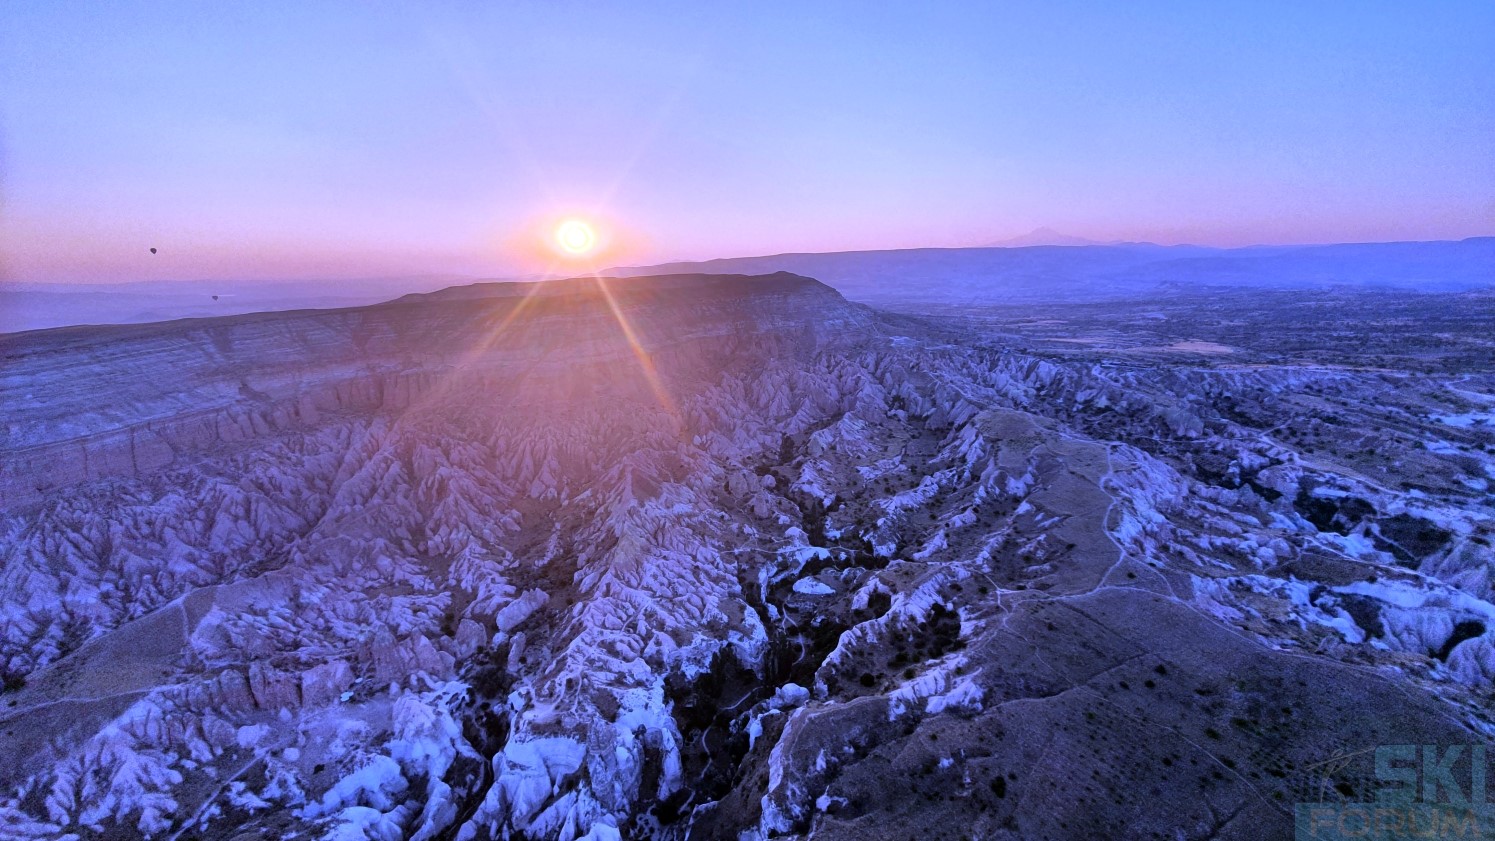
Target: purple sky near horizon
[(374, 139)]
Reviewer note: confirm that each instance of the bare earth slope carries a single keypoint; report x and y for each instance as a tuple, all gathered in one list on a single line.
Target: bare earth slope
[(712, 557)]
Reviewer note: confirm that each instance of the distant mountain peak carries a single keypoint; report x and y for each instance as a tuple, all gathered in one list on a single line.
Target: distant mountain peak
[(1042, 236)]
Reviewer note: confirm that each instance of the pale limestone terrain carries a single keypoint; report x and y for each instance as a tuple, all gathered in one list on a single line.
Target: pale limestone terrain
[(696, 557)]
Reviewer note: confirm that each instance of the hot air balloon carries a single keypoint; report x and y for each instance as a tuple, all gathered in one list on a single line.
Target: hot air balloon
[(153, 251)]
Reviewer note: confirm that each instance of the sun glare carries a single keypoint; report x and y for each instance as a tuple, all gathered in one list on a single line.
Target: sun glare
[(575, 237)]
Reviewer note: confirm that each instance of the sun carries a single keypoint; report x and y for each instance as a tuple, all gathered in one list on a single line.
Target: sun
[(575, 237)]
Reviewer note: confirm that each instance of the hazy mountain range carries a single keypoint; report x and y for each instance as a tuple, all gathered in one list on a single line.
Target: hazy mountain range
[(1101, 272), (952, 276), (1042, 236)]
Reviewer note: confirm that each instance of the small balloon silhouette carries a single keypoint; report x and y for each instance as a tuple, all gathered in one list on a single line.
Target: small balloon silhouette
[(215, 297), (153, 251)]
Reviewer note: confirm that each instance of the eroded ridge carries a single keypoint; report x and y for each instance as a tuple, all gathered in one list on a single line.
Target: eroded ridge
[(712, 559)]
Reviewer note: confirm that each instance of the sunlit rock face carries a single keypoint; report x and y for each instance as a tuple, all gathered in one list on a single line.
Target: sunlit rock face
[(692, 557)]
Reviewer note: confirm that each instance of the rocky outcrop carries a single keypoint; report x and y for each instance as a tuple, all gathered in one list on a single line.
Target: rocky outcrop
[(193, 385)]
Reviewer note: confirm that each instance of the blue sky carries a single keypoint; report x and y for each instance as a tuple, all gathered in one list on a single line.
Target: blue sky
[(348, 139)]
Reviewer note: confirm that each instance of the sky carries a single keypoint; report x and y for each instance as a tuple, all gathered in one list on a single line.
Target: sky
[(345, 140)]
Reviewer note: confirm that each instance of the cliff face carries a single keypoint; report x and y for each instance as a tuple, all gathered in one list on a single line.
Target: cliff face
[(697, 558), (92, 403)]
